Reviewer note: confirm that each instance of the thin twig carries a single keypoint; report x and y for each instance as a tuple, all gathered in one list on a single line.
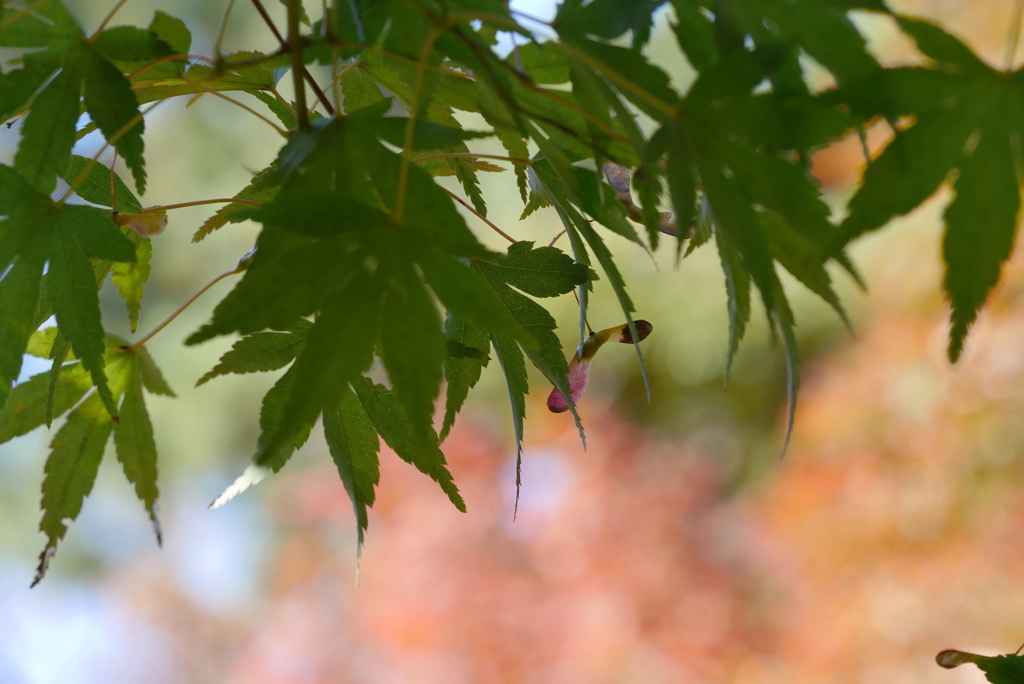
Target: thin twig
[(555, 239), (217, 93), (298, 68), (106, 19), (335, 80), (223, 29), (264, 58), (305, 73), (73, 186), (531, 17), (237, 269), (284, 103), (480, 216), (585, 321), (268, 21), (329, 20), (410, 126), (196, 203)]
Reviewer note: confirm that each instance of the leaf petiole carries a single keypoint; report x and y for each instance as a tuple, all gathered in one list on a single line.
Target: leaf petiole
[(216, 93), (262, 11), (73, 186), (298, 67), (480, 216), (196, 203), (106, 20), (223, 29), (410, 127), (243, 263)]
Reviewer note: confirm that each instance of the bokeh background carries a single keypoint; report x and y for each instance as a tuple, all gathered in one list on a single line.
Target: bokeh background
[(677, 548)]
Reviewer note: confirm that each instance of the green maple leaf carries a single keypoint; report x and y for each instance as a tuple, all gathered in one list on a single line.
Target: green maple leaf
[(262, 188), (93, 183), (84, 74), (541, 272), (352, 440), (582, 235), (77, 447), (333, 247), (133, 438), (263, 351), (967, 119), (247, 71), (465, 360), (392, 423), (608, 18), (821, 29), (513, 367), (38, 231)]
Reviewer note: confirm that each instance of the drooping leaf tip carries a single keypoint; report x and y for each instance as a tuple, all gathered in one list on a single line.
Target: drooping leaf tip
[(956, 342), (253, 474), (44, 564), (157, 529)]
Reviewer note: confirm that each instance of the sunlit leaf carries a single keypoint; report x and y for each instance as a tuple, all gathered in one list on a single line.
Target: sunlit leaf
[(71, 469), (77, 448), (136, 447), (36, 230), (25, 409)]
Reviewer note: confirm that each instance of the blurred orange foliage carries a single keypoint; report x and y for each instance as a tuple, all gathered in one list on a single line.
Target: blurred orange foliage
[(888, 533)]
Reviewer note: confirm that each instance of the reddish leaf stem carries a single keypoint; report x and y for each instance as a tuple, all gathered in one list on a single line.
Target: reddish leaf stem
[(305, 74), (242, 265), (480, 216), (217, 93), (106, 19), (196, 203), (298, 68)]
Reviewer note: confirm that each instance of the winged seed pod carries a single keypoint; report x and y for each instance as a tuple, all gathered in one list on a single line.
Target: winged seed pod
[(579, 365)]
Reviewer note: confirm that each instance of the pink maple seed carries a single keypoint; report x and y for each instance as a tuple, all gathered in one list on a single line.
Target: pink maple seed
[(579, 374), (579, 365)]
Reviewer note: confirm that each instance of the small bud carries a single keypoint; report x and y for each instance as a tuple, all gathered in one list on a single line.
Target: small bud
[(145, 224)]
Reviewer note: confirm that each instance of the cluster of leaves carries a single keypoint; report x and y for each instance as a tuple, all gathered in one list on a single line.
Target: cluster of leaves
[(359, 242)]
